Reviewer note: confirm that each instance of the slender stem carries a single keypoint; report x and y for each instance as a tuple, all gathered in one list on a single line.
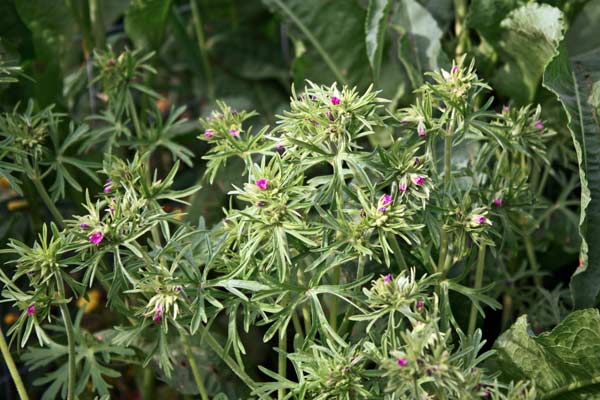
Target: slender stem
[(360, 270), (337, 271), (217, 348), (507, 303), (70, 337), (202, 46), (297, 324), (447, 163), (134, 115), (305, 310), (148, 385), (532, 260), (194, 366), (282, 360), (397, 251), (478, 282), (12, 368), (47, 200)]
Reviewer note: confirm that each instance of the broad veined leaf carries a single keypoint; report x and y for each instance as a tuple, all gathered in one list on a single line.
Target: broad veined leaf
[(574, 81), (145, 21), (420, 49), (532, 34), (375, 28), (564, 364), (485, 17), (333, 35)]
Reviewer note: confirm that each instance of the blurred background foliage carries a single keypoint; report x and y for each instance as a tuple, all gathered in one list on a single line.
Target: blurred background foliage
[(248, 53)]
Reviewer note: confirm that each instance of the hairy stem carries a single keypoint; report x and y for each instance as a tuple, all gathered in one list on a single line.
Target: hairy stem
[(478, 282), (64, 309), (203, 48), (194, 367), (12, 368)]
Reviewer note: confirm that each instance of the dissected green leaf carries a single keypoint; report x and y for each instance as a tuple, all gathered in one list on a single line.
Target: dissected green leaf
[(564, 364), (573, 81)]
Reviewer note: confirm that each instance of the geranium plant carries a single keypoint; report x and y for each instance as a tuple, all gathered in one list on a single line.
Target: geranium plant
[(346, 248)]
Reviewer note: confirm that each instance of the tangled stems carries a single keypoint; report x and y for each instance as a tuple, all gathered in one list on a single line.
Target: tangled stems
[(64, 309), (12, 368), (194, 367)]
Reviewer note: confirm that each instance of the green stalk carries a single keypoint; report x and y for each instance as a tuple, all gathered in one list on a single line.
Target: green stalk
[(305, 310), (148, 385), (532, 259), (281, 360), (217, 348), (359, 274), (46, 199), (478, 282), (134, 115), (70, 338), (442, 261), (12, 368), (194, 366), (202, 46), (337, 270)]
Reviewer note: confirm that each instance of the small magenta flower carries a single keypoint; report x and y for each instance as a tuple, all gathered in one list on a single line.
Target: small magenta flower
[(279, 147), (403, 122), (385, 200), (421, 131), (96, 237), (335, 100), (539, 125), (83, 225), (234, 132), (505, 109), (455, 69), (261, 204), (382, 209), (209, 133), (387, 278), (107, 185), (330, 116), (480, 219), (419, 304), (402, 362), (417, 161), (158, 313), (402, 187), (498, 201), (418, 180), (31, 309), (262, 183)]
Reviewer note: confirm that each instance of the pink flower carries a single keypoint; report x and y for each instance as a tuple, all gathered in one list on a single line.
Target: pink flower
[(418, 180), (335, 100), (382, 209), (402, 187), (498, 201), (480, 219), (387, 278), (96, 237), (209, 133), (419, 304), (107, 185), (421, 131), (83, 225), (402, 362), (279, 147), (234, 132), (455, 69), (385, 200), (158, 313), (505, 109), (539, 125), (262, 183), (31, 309)]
